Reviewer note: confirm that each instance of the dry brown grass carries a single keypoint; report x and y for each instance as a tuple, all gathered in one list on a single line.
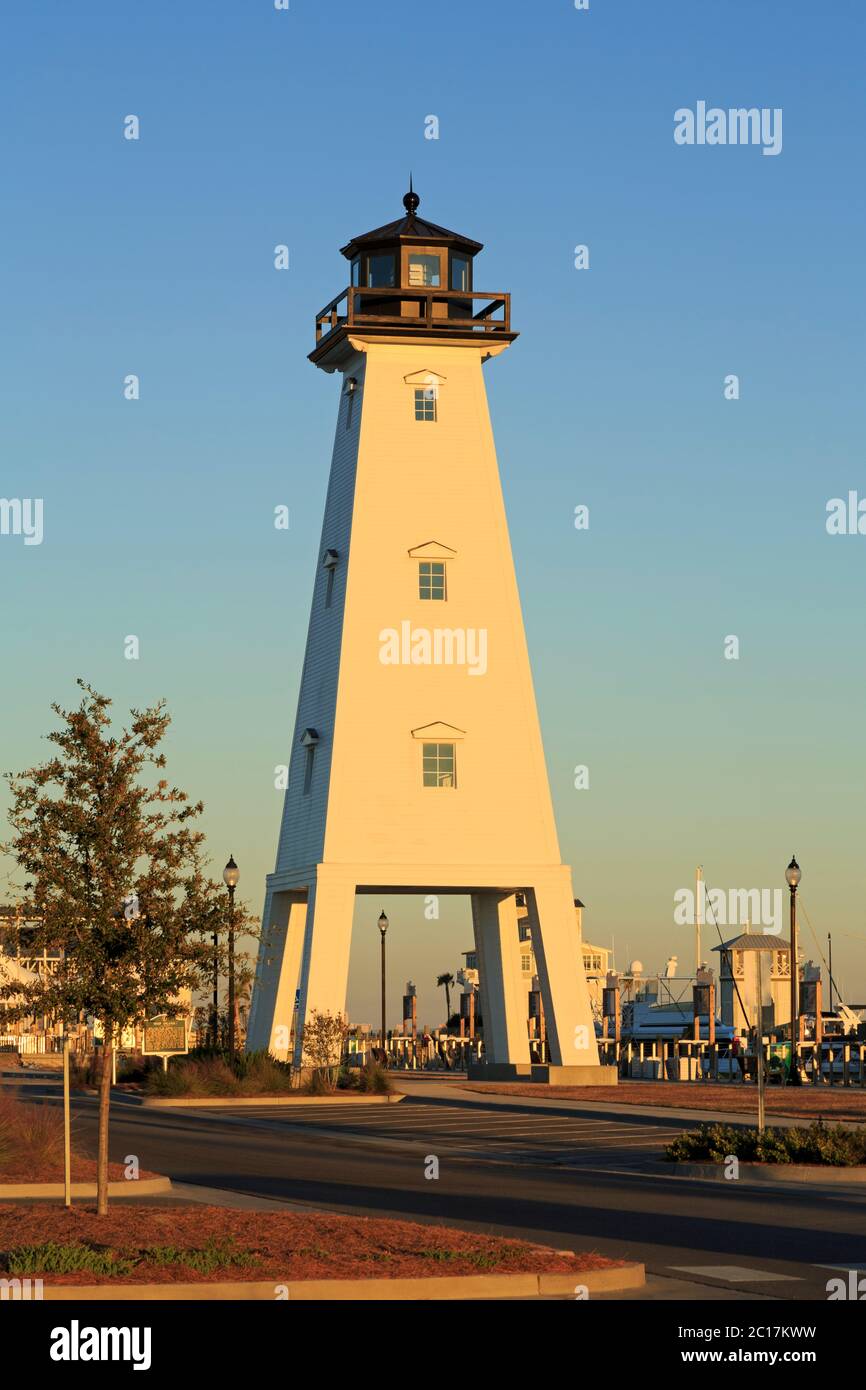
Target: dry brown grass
[(159, 1241), (31, 1146), (31, 1138)]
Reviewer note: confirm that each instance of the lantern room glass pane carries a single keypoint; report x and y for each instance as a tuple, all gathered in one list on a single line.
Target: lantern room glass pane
[(380, 271), (460, 273), (424, 270)]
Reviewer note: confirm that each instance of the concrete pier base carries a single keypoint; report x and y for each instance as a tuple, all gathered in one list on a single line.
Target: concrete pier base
[(545, 1075)]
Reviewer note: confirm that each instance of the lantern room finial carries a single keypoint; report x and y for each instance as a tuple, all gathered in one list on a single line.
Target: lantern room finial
[(411, 202)]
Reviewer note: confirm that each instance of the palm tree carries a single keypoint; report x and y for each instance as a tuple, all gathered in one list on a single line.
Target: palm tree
[(446, 981)]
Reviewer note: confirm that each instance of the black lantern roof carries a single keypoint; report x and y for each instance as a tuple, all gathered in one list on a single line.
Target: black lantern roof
[(411, 228)]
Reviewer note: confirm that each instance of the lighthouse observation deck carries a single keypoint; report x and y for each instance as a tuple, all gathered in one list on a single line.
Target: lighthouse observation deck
[(397, 309), (413, 278)]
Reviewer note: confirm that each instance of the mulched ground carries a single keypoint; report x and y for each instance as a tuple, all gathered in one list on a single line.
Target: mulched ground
[(288, 1245), (808, 1102)]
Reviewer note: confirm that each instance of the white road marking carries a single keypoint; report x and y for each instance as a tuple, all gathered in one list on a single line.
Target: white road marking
[(736, 1274)]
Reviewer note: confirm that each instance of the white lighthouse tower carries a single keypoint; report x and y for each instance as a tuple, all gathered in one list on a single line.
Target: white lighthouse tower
[(417, 764)]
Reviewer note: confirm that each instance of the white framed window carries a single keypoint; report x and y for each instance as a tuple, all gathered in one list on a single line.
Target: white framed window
[(425, 386), (439, 764), (431, 579), (426, 403)]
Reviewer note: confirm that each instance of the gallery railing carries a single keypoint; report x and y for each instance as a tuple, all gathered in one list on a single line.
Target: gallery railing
[(427, 309)]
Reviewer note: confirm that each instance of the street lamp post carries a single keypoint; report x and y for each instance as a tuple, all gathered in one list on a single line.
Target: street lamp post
[(383, 927), (215, 1003), (231, 874), (793, 876)]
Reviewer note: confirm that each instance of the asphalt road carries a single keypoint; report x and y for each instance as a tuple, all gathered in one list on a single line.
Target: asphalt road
[(569, 1177)]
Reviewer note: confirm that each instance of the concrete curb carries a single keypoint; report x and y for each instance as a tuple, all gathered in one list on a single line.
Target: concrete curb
[(227, 1102), (426, 1288), (141, 1187), (813, 1174)]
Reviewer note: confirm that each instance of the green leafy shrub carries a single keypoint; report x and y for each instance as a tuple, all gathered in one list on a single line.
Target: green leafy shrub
[(53, 1258), (210, 1074), (259, 1071), (317, 1084), (482, 1259), (816, 1143), (136, 1068), (374, 1079), (205, 1259)]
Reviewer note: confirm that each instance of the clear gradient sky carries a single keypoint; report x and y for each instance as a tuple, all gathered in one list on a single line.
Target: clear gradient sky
[(707, 516)]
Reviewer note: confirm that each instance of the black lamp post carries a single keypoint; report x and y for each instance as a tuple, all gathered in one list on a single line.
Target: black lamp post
[(215, 1003), (383, 927), (231, 874), (793, 876)]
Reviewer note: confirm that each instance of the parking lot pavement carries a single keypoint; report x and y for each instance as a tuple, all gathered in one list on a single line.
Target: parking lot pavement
[(513, 1135)]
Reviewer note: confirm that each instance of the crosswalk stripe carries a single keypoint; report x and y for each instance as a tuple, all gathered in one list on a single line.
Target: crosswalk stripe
[(737, 1274)]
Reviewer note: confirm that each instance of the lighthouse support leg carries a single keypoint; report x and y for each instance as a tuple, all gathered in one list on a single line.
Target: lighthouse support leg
[(559, 961), (504, 1001), (270, 1022), (324, 974)]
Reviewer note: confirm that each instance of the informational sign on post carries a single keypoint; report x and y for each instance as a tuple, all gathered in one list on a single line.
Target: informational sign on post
[(164, 1037)]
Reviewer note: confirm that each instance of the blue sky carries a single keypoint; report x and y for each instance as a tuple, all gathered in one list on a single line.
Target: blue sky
[(707, 516)]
